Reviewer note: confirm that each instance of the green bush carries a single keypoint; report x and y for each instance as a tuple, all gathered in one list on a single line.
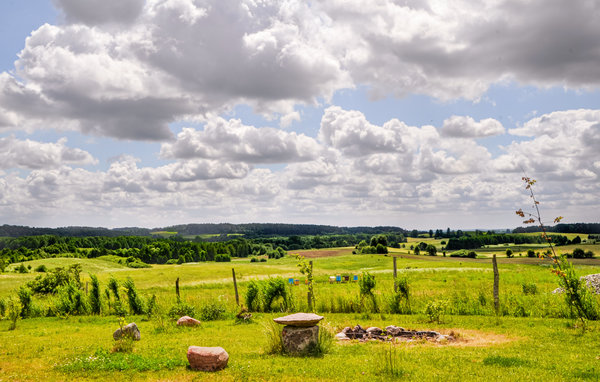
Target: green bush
[(399, 303), (222, 258), (434, 310), (530, 253), (71, 300), (252, 296), (254, 259), (21, 269), (181, 309), (381, 249), (529, 288), (95, 303), (25, 297), (13, 312), (113, 286), (366, 285), (136, 304), (41, 268), (152, 307), (268, 295), (212, 310), (275, 289), (55, 278)]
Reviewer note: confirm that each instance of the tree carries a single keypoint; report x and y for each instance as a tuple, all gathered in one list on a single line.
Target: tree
[(381, 249), (509, 253), (417, 250), (577, 295), (431, 250), (430, 233)]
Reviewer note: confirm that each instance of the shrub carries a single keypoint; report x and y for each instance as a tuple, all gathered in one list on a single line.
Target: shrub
[(71, 300), (95, 303), (55, 278), (212, 310), (530, 253), (151, 308), (275, 288), (381, 249), (509, 253), (464, 253), (22, 269), (180, 309), (366, 285), (254, 259), (400, 301), (222, 258), (2, 308), (136, 304), (113, 286), (252, 296), (529, 288), (434, 310), (261, 295), (41, 268), (13, 312), (263, 260), (25, 297)]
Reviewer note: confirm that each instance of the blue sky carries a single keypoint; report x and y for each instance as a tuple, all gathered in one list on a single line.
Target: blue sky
[(150, 113)]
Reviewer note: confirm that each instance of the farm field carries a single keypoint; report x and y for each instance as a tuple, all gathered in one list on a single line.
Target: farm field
[(520, 344)]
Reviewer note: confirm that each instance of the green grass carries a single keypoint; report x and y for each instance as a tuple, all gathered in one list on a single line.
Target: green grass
[(164, 233), (508, 348)]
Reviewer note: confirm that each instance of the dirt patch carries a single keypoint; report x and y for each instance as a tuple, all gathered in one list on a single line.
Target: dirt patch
[(448, 337), (477, 338), (329, 252)]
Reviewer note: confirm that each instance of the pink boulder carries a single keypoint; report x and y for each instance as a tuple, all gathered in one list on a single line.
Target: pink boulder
[(188, 321), (207, 358)]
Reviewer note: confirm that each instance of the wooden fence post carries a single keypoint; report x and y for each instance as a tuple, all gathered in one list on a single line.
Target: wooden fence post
[(237, 297), (395, 274), (309, 295), (177, 289), (496, 285)]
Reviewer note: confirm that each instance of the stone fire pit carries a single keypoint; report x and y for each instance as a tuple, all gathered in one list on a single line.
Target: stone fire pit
[(391, 333)]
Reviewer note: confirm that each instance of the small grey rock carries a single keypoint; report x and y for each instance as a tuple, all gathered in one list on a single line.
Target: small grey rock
[(129, 330)]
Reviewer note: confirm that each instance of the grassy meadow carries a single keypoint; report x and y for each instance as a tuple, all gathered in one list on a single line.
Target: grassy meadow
[(532, 339)]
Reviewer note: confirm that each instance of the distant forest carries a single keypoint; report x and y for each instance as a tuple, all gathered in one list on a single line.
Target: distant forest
[(587, 228), (257, 230), (250, 230)]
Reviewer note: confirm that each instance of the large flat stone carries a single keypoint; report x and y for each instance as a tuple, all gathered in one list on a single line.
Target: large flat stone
[(207, 358), (299, 319)]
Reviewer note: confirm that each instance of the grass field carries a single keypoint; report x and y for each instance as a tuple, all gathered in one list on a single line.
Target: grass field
[(533, 347)]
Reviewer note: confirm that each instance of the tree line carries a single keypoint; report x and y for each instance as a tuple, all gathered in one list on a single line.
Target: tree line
[(478, 241)]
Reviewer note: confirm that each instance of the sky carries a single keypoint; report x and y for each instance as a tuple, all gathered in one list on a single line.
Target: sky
[(417, 114)]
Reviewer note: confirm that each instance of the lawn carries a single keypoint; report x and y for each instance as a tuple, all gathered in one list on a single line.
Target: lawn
[(528, 342)]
